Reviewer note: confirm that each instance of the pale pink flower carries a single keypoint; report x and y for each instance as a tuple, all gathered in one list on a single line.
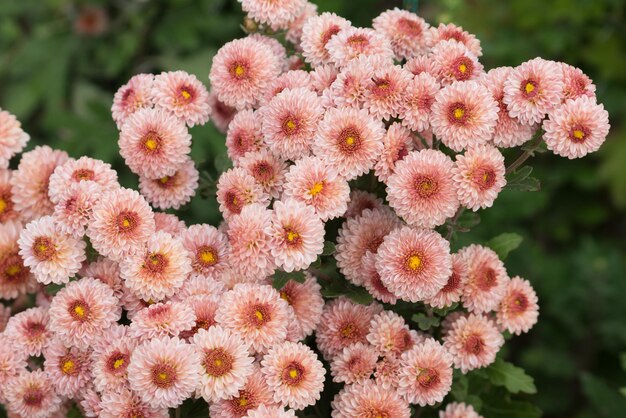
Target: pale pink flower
[(132, 96), (452, 291), (89, 401), (107, 271), (387, 373), (419, 97), (316, 33), (373, 283), (12, 363), (110, 364), (169, 223), (221, 114), (264, 411), (307, 303), (361, 200), (322, 77), (473, 342), (276, 14), (154, 143), (422, 190), (15, 278), (576, 83), (12, 138), (576, 128), (31, 394), (451, 31), (172, 191), (397, 144), (78, 171), (277, 48), (369, 399), (162, 320), (244, 135), (7, 210), (354, 364), (73, 210), (486, 279), (242, 71), (182, 94), (389, 334), (69, 369), (127, 404), (159, 270), (422, 64), (289, 80), (450, 319), (208, 248), (349, 43), (459, 410), (407, 32), (353, 81), (518, 310), (294, 33), (267, 169), (255, 393), (533, 89), (385, 95), (453, 61), (205, 308), (237, 189)]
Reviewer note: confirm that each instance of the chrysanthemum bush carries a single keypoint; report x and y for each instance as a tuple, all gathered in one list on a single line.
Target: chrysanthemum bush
[(335, 285)]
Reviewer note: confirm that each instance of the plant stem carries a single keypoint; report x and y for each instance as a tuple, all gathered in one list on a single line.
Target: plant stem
[(177, 413), (454, 221), (530, 151)]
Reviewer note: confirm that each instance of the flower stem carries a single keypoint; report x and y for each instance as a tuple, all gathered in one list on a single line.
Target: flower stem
[(529, 152), (177, 413), (452, 225)]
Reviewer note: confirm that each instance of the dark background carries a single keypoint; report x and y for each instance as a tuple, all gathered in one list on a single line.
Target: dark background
[(61, 62)]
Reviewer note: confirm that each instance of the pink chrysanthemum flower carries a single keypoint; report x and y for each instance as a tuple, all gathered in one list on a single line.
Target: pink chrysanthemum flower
[(372, 282), (459, 410), (160, 270), (78, 171), (242, 71), (110, 364), (7, 210), (249, 234), (323, 77), (256, 313), (289, 80), (164, 372), (422, 64), (361, 234), (425, 373), (290, 121), (473, 342), (182, 94), (73, 211), (237, 189), (132, 96), (267, 169), (414, 264), (294, 32), (254, 394), (30, 331), (419, 97), (576, 128), (297, 235), (352, 82), (454, 62), (154, 143), (387, 373), (509, 132), (121, 224), (451, 31), (171, 191), (15, 278), (294, 373), (486, 279), (276, 14), (533, 89), (389, 334), (12, 138), (169, 223), (422, 189), (221, 114), (577, 83), (464, 114), (306, 301), (385, 95), (350, 43), (29, 183), (208, 248), (479, 176), (354, 364), (32, 395), (127, 404), (452, 291), (518, 310), (397, 144), (89, 403), (349, 140), (343, 323), (264, 411), (225, 361), (51, 256), (108, 272), (69, 369), (162, 320), (244, 135), (12, 362), (369, 399), (278, 49), (361, 200), (204, 308), (316, 33), (407, 32)]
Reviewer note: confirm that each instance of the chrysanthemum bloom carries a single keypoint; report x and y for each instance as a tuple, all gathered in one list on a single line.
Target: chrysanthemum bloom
[(29, 330), (255, 393), (369, 399), (397, 144), (171, 191), (509, 132), (164, 371), (69, 369), (343, 323), (453, 61), (425, 373), (361, 234), (267, 169), (422, 190), (276, 14), (354, 364), (421, 64), (12, 362), (451, 31), (350, 43), (51, 256), (12, 138), (29, 183), (349, 140), (15, 278), (576, 128), (75, 206), (89, 402), (306, 301), (290, 121), (161, 320), (169, 223), (32, 395), (464, 114), (389, 334), (419, 97), (256, 313), (576, 83), (479, 176), (384, 97), (7, 211), (242, 71), (473, 342), (452, 291), (110, 364), (372, 282), (277, 48), (244, 135), (81, 170), (533, 89), (182, 94), (221, 114), (361, 200), (414, 264), (237, 189), (323, 77), (107, 271), (204, 308), (208, 248), (154, 143), (289, 80), (132, 96), (518, 310), (316, 33), (160, 270), (127, 404), (249, 234), (407, 32), (459, 410), (353, 81), (225, 361), (264, 411), (387, 373), (486, 279), (294, 373), (294, 32)]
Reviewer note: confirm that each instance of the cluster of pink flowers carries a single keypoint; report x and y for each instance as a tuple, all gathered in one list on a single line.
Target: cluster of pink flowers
[(152, 312)]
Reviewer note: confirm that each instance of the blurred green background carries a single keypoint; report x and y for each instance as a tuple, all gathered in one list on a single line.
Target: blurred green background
[(61, 61)]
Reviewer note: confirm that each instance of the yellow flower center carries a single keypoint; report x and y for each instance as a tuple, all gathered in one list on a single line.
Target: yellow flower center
[(218, 362), (291, 125), (578, 134), (162, 377), (459, 113), (293, 373), (80, 311), (185, 94), (463, 68), (164, 179), (291, 236), (3, 205), (350, 140), (67, 367), (239, 70), (316, 189), (207, 256), (414, 262), (259, 315), (243, 401), (151, 144), (13, 270), (529, 87), (118, 363)]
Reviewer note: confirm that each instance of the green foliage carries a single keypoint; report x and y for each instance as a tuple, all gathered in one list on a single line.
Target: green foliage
[(503, 244), (281, 278), (513, 378)]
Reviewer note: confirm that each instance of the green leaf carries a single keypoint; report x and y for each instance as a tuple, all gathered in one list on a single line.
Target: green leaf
[(513, 378), (623, 391), (622, 361), (607, 401), (445, 311), (329, 248), (460, 386), (519, 175), (425, 322), (468, 220), (503, 244), (281, 278), (506, 408), (359, 295), (529, 184)]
